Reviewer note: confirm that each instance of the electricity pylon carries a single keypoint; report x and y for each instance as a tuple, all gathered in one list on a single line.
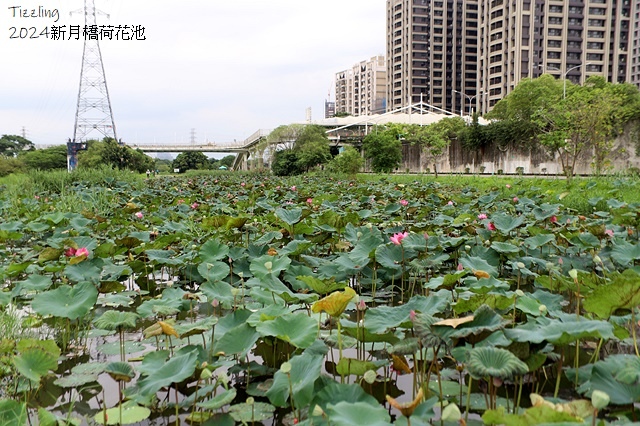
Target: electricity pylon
[(93, 113)]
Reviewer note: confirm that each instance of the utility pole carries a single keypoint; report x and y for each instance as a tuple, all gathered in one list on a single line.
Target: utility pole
[(93, 111)]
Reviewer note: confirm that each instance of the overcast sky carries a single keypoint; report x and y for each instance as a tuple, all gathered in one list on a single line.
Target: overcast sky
[(225, 68)]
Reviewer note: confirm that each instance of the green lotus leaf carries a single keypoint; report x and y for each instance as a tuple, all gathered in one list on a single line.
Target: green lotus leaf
[(305, 370), (115, 320), (624, 253), (542, 414), (38, 226), (214, 271), (358, 413), (604, 379), (238, 340), (484, 319), (478, 264), (89, 368), (13, 412), (494, 362), (128, 414), (545, 211), (332, 392), (565, 329), (86, 271), (391, 256), (187, 328), (347, 366), (486, 285), (220, 291), (120, 371), (34, 283), (128, 242), (75, 380), (219, 401), (298, 329), (177, 369), (34, 363), (269, 265), (159, 307), (538, 241), (49, 253), (623, 292), (382, 318), (502, 247), (320, 286), (506, 223), (289, 216), (251, 413), (113, 348), (66, 301)]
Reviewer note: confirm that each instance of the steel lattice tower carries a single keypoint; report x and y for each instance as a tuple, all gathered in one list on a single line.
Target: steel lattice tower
[(93, 113)]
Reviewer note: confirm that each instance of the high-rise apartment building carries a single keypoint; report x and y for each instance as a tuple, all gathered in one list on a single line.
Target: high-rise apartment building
[(432, 53), (635, 44), (571, 39), (460, 55), (362, 90)]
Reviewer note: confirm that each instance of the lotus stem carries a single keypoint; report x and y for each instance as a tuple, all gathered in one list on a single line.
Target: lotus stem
[(576, 362), (559, 375), (633, 331), (466, 413), (517, 405)]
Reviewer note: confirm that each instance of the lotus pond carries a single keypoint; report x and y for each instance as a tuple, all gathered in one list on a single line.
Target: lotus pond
[(248, 299)]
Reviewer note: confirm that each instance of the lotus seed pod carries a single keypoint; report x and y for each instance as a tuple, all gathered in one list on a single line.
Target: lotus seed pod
[(223, 378), (599, 399), (317, 411), (268, 265), (205, 374), (370, 376), (451, 413), (193, 246), (519, 293), (467, 247), (250, 400), (285, 367), (573, 274), (549, 266), (520, 265), (542, 309), (596, 259), (359, 234)]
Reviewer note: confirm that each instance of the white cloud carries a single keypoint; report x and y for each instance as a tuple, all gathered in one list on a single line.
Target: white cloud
[(225, 68)]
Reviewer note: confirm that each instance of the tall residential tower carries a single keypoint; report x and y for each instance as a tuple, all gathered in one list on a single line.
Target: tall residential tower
[(362, 89)]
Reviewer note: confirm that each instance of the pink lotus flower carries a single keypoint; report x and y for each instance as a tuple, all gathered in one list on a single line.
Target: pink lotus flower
[(70, 252), (515, 199), (139, 215), (404, 203), (491, 226), (508, 186), (195, 206), (609, 233), (293, 188), (242, 184), (450, 203), (553, 219), (412, 315), (460, 267), (180, 201), (482, 216), (37, 197), (398, 237), (83, 251), (309, 200)]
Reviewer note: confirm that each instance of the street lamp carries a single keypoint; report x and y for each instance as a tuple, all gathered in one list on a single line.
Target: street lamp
[(471, 98), (564, 78)]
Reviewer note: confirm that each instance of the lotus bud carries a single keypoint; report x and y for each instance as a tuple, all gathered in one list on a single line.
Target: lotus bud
[(268, 265), (599, 399), (549, 266), (205, 374), (359, 234), (596, 259), (467, 247), (573, 274), (250, 400), (519, 293), (487, 243), (285, 367), (223, 378), (520, 265), (451, 413), (317, 411), (542, 309), (370, 376)]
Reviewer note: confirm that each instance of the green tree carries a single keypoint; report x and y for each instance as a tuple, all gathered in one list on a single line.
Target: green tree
[(285, 163), (384, 148), (12, 145), (227, 161), (9, 165), (435, 138), (312, 147), (191, 160), (51, 158), (113, 154), (349, 162)]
